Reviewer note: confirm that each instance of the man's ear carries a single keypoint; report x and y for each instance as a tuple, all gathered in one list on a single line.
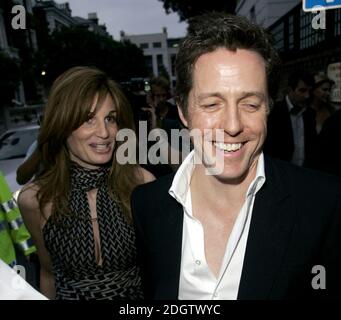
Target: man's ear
[(182, 117)]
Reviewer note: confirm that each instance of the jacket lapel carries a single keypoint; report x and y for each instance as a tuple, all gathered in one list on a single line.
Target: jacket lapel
[(272, 220), (170, 244)]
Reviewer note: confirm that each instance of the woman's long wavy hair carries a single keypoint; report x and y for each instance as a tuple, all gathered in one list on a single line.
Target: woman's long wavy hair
[(69, 104)]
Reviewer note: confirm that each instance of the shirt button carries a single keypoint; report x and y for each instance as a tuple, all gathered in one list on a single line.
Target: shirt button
[(198, 262)]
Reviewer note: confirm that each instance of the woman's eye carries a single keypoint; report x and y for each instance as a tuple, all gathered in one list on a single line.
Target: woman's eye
[(111, 119), (89, 120)]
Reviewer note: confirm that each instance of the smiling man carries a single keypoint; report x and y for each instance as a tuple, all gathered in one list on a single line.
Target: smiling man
[(246, 230)]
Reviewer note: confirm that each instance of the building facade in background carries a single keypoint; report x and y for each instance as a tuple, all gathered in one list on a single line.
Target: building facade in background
[(57, 15), (52, 16), (42, 18), (305, 40), (6, 44), (159, 52), (264, 12)]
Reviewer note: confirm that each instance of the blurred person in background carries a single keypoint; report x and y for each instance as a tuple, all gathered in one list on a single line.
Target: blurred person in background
[(328, 156), (163, 115), (291, 123), (16, 245), (13, 233), (320, 99)]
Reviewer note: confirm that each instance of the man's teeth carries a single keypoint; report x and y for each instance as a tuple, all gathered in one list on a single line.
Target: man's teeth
[(228, 146)]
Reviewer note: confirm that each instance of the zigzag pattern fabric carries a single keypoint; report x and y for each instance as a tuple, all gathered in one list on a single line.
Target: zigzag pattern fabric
[(70, 242)]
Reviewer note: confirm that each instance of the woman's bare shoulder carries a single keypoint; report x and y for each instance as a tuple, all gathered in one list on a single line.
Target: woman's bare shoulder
[(27, 198), (146, 175)]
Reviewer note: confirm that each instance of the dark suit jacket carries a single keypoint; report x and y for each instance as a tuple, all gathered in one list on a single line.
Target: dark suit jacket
[(296, 224), (328, 157), (280, 140)]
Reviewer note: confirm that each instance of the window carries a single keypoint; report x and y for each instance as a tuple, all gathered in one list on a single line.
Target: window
[(309, 36), (15, 144), (291, 32), (173, 58), (144, 46), (156, 44), (278, 34), (149, 63), (159, 60), (4, 140)]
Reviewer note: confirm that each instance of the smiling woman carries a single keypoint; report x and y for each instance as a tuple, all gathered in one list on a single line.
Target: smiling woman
[(93, 142), (78, 208)]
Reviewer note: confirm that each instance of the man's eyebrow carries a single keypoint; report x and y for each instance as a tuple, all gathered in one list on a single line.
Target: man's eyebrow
[(242, 95), (209, 95), (247, 94)]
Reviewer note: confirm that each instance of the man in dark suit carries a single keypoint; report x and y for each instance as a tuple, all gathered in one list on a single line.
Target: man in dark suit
[(291, 123), (328, 157), (232, 223)]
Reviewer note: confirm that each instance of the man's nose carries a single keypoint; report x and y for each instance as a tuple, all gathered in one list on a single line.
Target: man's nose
[(232, 121)]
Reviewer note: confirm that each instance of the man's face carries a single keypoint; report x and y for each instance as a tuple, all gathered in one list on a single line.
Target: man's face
[(159, 94), (300, 95), (229, 95)]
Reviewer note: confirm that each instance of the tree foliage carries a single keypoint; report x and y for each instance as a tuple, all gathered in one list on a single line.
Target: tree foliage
[(20, 43), (77, 46), (9, 68), (190, 8)]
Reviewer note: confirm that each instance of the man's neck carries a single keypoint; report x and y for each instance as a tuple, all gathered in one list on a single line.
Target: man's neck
[(215, 190)]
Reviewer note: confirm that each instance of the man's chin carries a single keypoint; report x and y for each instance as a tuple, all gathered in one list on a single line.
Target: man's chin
[(233, 177)]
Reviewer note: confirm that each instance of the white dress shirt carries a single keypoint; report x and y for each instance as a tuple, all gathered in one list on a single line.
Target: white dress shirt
[(197, 281), (298, 134)]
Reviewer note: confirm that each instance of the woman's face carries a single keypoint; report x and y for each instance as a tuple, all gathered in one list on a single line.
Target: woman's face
[(322, 92), (93, 143)]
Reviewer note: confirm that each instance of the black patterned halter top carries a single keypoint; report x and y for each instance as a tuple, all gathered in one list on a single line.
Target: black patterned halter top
[(70, 242)]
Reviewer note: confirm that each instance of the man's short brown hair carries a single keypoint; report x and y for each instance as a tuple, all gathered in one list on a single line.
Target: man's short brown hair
[(211, 31)]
